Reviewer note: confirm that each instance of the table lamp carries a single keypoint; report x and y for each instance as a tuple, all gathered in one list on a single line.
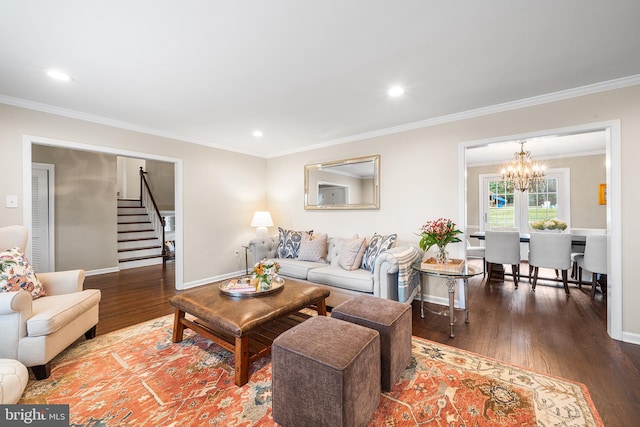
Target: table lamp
[(261, 220)]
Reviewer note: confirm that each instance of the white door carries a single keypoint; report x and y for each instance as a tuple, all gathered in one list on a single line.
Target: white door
[(42, 242)]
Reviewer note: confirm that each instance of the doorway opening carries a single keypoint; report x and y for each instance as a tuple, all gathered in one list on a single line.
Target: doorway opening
[(612, 211), (29, 141)]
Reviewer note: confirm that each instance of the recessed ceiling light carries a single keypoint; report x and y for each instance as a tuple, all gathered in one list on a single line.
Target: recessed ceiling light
[(58, 75), (257, 133), (396, 91)]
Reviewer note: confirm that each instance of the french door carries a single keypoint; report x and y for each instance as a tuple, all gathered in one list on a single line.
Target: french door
[(503, 208)]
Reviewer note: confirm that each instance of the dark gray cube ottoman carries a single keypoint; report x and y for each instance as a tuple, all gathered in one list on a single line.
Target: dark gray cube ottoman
[(392, 320), (326, 372)]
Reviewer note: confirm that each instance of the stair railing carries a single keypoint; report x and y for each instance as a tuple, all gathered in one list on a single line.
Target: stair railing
[(146, 199)]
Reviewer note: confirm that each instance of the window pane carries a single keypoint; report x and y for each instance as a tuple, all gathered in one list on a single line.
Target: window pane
[(543, 203), (501, 206)]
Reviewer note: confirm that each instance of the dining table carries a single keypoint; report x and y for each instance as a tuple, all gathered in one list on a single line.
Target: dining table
[(576, 239)]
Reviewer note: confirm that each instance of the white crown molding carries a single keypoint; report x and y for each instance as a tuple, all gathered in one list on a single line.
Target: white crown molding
[(64, 112), (498, 108), (493, 109)]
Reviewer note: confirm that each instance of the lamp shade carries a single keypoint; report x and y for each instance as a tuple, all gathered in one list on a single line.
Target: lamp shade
[(262, 219)]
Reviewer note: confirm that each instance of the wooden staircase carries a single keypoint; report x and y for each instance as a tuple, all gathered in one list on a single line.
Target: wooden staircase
[(138, 244)]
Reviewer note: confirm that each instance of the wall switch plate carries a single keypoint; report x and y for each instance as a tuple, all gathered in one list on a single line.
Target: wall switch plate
[(12, 202)]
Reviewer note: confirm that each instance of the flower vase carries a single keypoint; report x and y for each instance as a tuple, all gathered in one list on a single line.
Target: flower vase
[(265, 284), (442, 256)]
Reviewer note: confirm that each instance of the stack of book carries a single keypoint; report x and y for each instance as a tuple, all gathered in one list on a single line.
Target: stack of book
[(240, 285)]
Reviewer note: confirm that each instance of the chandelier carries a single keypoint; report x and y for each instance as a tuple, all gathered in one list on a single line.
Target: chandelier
[(523, 172)]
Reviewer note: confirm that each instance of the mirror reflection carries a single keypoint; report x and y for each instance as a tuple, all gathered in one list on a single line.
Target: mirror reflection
[(343, 184)]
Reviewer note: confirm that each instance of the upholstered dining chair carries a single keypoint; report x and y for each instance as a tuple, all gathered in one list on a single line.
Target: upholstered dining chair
[(550, 250), (594, 260), (503, 247), (477, 252)]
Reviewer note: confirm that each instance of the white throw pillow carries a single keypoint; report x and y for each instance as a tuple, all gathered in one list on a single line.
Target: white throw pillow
[(313, 248), (351, 254)]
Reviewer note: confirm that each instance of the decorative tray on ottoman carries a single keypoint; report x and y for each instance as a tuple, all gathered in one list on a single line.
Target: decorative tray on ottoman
[(244, 289)]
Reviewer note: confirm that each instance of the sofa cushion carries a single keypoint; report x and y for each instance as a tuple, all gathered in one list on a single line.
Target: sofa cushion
[(55, 311), (351, 254), (334, 275), (295, 268), (313, 248), (289, 242), (377, 244), (16, 273)]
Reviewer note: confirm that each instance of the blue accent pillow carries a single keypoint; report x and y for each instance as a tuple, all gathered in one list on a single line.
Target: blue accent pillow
[(377, 245), (289, 242)]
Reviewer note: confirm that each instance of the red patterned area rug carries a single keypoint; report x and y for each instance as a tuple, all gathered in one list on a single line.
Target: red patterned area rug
[(138, 377)]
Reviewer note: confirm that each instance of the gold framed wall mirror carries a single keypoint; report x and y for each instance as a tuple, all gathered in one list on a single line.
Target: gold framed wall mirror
[(343, 184)]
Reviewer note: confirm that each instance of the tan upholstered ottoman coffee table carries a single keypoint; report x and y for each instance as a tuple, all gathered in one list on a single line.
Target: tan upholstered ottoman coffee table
[(246, 326)]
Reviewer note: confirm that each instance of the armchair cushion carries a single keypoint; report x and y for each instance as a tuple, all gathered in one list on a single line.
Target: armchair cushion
[(16, 274), (53, 312)]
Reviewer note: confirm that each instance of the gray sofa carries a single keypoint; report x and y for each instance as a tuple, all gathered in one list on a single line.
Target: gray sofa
[(392, 276)]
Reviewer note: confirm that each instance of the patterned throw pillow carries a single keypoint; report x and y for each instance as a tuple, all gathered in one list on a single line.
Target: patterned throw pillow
[(377, 244), (16, 273), (313, 248), (289, 242)]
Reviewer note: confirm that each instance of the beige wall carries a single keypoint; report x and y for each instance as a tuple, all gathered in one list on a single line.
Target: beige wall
[(85, 207), (129, 170), (218, 202), (419, 174), (161, 178), (587, 172)]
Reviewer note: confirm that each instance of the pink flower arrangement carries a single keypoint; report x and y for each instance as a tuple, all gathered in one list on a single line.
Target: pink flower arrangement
[(440, 232)]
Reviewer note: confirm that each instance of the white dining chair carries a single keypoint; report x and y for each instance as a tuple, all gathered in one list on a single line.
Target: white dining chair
[(594, 261), (550, 250), (477, 252), (503, 247), (576, 249)]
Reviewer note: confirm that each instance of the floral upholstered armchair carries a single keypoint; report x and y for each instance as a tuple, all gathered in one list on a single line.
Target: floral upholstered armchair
[(40, 315)]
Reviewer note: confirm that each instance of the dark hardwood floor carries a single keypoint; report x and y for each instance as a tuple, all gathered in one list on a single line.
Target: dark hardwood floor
[(542, 330)]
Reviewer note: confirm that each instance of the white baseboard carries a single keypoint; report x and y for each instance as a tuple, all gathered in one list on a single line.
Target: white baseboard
[(212, 279), (631, 337), (439, 300), (101, 271)]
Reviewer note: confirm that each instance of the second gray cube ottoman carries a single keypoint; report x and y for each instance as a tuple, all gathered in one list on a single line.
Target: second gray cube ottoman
[(392, 320), (326, 372)]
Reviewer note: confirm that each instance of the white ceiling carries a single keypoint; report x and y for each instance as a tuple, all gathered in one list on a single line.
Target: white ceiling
[(306, 73)]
